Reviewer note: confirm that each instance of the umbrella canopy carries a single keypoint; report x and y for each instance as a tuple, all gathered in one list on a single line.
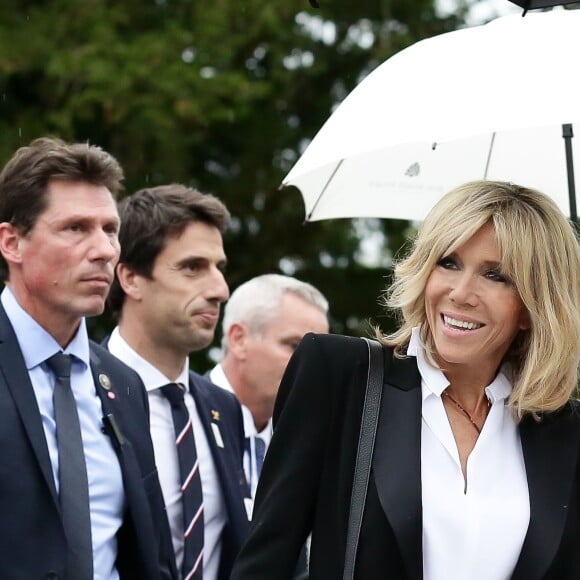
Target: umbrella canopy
[(487, 102)]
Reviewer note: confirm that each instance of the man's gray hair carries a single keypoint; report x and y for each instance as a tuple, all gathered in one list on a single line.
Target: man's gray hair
[(256, 302)]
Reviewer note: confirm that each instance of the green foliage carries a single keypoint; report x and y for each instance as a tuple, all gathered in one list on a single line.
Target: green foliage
[(221, 95)]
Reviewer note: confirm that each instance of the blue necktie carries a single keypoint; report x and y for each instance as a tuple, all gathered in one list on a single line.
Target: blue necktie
[(260, 452), (256, 458), (192, 568), (72, 473)]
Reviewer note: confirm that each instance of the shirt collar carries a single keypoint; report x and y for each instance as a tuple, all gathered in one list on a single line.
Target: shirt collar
[(151, 376), (435, 382), (218, 377), (35, 342)]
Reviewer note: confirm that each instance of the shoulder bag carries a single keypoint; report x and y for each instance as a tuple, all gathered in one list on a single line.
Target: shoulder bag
[(366, 443)]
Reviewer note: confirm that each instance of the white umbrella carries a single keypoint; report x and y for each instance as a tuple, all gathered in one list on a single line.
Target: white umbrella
[(487, 102)]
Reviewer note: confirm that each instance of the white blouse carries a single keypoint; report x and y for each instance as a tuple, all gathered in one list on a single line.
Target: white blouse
[(475, 528)]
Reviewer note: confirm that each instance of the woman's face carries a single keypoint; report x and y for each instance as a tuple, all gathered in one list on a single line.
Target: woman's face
[(473, 311)]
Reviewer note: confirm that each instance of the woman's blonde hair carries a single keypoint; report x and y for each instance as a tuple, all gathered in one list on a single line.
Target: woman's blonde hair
[(539, 252)]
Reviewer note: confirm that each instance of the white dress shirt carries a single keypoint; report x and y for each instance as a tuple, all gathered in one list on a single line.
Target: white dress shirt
[(106, 492), (218, 377), (163, 436), (473, 528)]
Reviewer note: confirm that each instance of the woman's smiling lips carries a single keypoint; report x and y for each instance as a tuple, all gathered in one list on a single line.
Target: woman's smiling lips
[(455, 324)]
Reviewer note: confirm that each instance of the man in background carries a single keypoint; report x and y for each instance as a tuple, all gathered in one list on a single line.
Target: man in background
[(167, 294), (79, 493), (264, 320)]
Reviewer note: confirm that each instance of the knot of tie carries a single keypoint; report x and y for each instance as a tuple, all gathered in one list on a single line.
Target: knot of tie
[(60, 364), (174, 393)]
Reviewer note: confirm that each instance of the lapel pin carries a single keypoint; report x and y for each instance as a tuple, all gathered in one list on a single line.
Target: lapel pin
[(215, 415), (111, 395), (218, 436), (105, 382)]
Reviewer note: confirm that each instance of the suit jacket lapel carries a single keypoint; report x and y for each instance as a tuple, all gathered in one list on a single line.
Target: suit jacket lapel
[(135, 495), (16, 376), (553, 442), (204, 411), (397, 460), (222, 457), (102, 384)]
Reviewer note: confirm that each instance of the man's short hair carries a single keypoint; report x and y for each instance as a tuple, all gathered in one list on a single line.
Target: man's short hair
[(153, 215), (256, 302), (26, 176)]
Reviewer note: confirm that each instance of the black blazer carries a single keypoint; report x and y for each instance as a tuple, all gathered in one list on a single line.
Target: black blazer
[(32, 542), (307, 477)]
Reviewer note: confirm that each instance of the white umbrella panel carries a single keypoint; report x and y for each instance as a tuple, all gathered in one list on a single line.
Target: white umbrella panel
[(488, 102)]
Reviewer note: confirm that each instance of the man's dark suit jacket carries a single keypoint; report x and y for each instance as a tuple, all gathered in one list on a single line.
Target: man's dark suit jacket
[(214, 405), (32, 541), (308, 472)]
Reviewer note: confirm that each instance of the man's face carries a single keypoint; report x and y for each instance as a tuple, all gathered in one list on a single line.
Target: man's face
[(62, 269), (268, 354), (180, 304)]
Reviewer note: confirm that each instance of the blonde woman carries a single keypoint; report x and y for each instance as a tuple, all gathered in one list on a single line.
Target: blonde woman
[(475, 471)]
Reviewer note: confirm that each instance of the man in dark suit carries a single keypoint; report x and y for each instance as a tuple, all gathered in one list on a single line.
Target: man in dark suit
[(167, 294), (79, 493)]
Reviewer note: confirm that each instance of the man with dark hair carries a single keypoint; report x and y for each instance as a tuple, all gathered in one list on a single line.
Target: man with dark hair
[(79, 493), (167, 294)]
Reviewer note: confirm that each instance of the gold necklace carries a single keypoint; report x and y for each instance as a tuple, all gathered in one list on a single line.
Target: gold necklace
[(465, 412)]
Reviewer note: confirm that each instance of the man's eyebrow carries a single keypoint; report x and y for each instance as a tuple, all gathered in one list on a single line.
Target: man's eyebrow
[(193, 258)]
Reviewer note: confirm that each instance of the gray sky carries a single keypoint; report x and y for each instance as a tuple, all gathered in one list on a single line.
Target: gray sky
[(482, 10)]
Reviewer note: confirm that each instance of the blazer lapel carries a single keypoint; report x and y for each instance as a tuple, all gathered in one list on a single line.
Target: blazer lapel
[(108, 393), (221, 453), (554, 441), (16, 376), (133, 483), (397, 460), (103, 385), (204, 410)]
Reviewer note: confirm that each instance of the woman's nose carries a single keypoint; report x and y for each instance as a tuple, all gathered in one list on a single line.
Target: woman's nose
[(464, 290)]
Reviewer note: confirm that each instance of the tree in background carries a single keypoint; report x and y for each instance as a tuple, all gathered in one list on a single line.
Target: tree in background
[(223, 96)]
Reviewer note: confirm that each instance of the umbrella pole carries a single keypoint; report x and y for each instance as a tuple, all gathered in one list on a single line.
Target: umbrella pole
[(309, 216), (567, 134)]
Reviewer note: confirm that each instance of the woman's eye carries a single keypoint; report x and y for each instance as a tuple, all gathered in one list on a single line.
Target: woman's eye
[(496, 276), (447, 262)]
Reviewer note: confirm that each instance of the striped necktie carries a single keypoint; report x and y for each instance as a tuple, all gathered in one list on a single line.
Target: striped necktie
[(191, 493)]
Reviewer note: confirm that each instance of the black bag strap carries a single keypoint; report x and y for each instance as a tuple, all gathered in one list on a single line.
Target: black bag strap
[(366, 443)]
